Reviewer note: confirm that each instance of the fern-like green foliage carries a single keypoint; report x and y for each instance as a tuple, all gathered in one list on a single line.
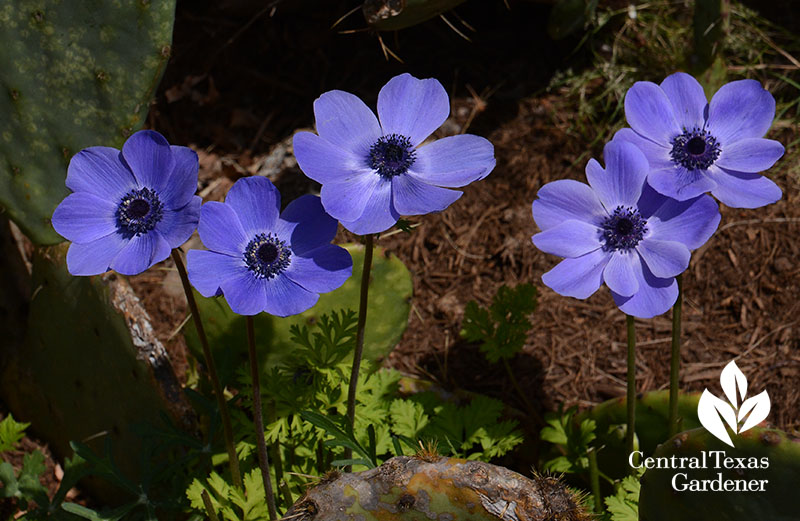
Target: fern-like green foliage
[(503, 328), (624, 505), (11, 431), (572, 437), (31, 496), (228, 502), (305, 404)]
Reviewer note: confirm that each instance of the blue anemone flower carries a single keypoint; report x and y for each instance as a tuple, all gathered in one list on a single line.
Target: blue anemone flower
[(618, 231), (128, 209), (262, 261), (373, 170), (695, 147)]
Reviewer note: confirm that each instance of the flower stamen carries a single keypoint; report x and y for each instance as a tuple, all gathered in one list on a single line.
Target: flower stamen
[(695, 149), (138, 212), (623, 229), (267, 256), (391, 155)]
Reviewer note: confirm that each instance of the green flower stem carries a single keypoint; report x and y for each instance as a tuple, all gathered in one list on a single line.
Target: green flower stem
[(631, 397), (675, 361), (212, 515), (258, 420), (233, 460), (594, 476), (362, 322)]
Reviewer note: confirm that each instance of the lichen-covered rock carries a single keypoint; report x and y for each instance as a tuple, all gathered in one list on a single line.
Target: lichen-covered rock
[(432, 487), (73, 74)]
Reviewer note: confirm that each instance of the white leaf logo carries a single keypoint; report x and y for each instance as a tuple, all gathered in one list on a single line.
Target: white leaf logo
[(712, 410)]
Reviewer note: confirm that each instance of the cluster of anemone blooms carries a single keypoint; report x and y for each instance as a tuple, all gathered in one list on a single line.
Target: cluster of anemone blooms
[(129, 209), (633, 226)]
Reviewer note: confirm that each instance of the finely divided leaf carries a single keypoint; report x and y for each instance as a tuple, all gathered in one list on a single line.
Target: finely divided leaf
[(624, 505), (11, 431), (408, 418), (503, 328)]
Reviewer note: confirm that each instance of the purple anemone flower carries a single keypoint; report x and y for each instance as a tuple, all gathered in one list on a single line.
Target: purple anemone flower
[(372, 171), (128, 209), (262, 261), (620, 231), (696, 147)]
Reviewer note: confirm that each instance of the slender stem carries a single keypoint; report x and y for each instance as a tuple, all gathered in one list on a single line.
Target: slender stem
[(212, 515), (535, 416), (233, 459), (362, 322), (675, 362), (631, 397), (258, 419), (594, 476)]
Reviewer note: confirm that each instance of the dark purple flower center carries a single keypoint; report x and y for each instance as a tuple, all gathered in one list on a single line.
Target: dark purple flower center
[(267, 256), (695, 149), (623, 229), (138, 212), (391, 155)]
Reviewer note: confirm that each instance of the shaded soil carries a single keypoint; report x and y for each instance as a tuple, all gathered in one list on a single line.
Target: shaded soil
[(242, 79)]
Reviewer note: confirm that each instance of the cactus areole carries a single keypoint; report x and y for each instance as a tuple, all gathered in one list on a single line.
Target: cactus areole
[(433, 487)]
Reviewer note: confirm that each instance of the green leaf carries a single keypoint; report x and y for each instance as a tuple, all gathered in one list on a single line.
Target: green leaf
[(11, 431), (9, 480), (477, 415), (554, 432), (223, 496), (87, 513), (340, 438), (254, 506), (573, 439), (502, 329), (28, 480), (408, 418), (356, 461), (624, 505), (559, 464)]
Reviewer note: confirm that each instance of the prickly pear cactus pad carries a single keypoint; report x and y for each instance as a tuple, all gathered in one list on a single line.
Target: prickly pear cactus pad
[(432, 487), (79, 328), (755, 480), (73, 74)]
